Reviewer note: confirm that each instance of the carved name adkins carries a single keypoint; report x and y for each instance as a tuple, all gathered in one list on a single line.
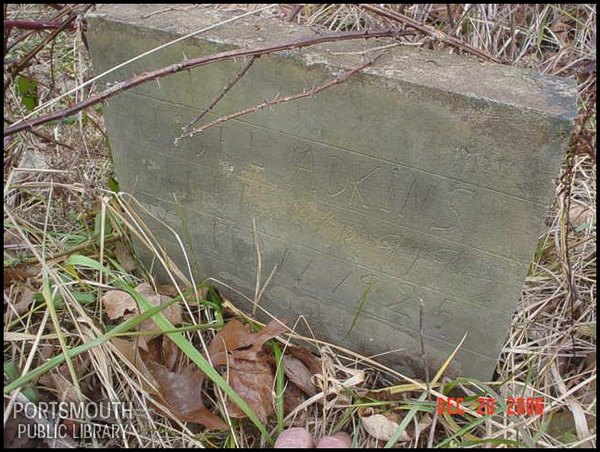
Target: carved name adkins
[(426, 177)]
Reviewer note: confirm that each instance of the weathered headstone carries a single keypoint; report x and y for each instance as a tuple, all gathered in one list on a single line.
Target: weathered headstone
[(427, 176)]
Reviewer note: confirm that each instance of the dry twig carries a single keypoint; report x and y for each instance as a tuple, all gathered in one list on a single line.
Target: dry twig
[(17, 67), (39, 25), (190, 64), (280, 100), (429, 30), (188, 128)]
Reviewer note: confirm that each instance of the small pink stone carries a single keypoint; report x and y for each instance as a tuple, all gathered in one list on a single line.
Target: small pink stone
[(295, 437), (340, 440)]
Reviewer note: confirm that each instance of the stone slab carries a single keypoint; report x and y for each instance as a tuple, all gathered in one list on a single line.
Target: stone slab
[(427, 176)]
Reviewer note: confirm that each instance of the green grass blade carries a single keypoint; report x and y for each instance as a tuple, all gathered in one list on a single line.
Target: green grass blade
[(361, 305), (423, 396), (46, 292), (178, 338), (464, 430), (279, 385), (59, 359), (411, 413), (12, 372)]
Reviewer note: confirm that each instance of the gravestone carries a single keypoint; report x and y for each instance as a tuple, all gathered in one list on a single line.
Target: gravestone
[(427, 176)]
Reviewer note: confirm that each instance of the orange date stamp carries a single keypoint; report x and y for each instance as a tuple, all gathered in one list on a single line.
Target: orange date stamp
[(515, 406)]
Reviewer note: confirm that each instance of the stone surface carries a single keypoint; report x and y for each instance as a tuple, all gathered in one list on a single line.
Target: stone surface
[(427, 176)]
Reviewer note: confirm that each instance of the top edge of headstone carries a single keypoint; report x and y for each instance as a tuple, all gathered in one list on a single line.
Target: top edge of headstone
[(524, 89)]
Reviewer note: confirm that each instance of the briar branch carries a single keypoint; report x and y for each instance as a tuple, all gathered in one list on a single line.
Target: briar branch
[(187, 130), (39, 24), (14, 69), (428, 29), (297, 9), (280, 100), (190, 64)]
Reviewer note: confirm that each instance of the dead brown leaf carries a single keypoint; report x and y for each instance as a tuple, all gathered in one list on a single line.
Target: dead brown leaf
[(170, 353), (292, 397), (236, 336), (249, 370), (167, 289), (118, 304), (14, 246), (253, 382), (310, 361), (579, 215), (172, 313), (381, 426), (59, 379), (23, 300), (162, 350), (180, 391), (124, 257), (20, 273), (153, 350), (299, 374), (131, 354)]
